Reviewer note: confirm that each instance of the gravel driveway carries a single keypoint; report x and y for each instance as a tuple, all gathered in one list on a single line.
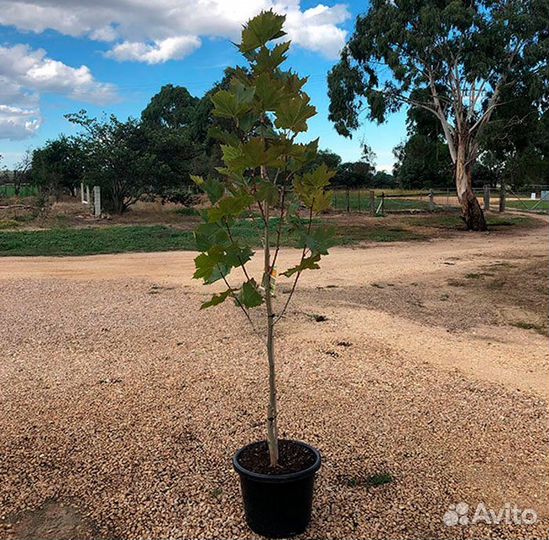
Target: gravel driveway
[(121, 403)]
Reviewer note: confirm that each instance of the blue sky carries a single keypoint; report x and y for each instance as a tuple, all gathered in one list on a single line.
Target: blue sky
[(60, 56)]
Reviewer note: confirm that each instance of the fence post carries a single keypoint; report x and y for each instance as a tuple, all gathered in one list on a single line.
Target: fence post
[(502, 197), (486, 197), (372, 202), (431, 200), (97, 201), (382, 204), (348, 200)]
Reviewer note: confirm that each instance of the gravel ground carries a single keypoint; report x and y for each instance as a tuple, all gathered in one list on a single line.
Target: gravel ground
[(122, 404)]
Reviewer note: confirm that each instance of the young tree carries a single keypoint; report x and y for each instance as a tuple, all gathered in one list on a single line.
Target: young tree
[(264, 172), (462, 55)]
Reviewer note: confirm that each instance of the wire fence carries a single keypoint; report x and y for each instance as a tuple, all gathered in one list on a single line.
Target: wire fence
[(379, 202)]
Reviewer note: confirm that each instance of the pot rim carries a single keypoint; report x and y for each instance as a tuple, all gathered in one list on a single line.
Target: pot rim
[(277, 478)]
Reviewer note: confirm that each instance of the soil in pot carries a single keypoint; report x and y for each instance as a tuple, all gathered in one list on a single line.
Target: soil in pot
[(293, 457)]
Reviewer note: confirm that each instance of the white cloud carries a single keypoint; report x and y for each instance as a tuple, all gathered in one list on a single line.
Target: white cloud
[(173, 48), (17, 123), (26, 73), (161, 30)]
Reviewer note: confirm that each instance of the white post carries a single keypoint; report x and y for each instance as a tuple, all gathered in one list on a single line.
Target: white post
[(97, 201), (82, 192), (87, 194)]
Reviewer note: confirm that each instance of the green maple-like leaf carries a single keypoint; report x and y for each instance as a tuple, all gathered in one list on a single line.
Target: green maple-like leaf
[(257, 32), (308, 263), (294, 113), (217, 299), (249, 294)]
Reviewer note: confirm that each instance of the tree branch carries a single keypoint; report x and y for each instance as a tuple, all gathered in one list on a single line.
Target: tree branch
[(294, 285)]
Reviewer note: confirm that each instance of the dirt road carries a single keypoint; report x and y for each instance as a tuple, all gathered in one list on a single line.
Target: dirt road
[(501, 354)]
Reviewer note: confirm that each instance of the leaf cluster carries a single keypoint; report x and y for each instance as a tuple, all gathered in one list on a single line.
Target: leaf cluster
[(265, 170)]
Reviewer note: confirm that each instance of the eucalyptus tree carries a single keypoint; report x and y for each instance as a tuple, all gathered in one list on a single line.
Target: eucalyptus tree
[(266, 172), (461, 54)]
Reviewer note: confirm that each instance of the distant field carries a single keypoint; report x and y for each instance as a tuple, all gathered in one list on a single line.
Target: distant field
[(528, 204), (26, 191), (395, 200)]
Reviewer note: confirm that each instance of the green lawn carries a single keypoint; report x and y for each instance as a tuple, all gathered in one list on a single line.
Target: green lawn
[(94, 240), (121, 239)]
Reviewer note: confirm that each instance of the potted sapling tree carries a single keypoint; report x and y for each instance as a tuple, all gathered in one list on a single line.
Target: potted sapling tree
[(267, 183)]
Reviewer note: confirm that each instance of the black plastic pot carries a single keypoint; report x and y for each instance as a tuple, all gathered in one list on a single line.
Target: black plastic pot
[(278, 506)]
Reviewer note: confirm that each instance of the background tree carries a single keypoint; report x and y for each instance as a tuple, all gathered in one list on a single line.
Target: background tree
[(118, 159), (176, 140), (462, 55), (357, 173), (383, 179), (515, 146), (172, 107), (59, 165), (423, 160), (22, 172)]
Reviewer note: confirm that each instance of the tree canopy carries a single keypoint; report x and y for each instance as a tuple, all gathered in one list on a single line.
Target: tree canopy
[(452, 58)]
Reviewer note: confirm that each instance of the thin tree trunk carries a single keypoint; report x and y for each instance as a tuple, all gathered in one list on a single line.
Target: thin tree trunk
[(471, 211), (272, 429)]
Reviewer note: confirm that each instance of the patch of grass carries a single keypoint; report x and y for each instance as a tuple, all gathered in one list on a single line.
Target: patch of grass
[(216, 492), (510, 221), (94, 241), (186, 211), (372, 481), (8, 224), (528, 205), (450, 220), (7, 190), (379, 479), (353, 233), (453, 221), (359, 199)]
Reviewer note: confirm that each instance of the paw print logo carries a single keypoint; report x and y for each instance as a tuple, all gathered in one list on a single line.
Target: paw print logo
[(456, 515)]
